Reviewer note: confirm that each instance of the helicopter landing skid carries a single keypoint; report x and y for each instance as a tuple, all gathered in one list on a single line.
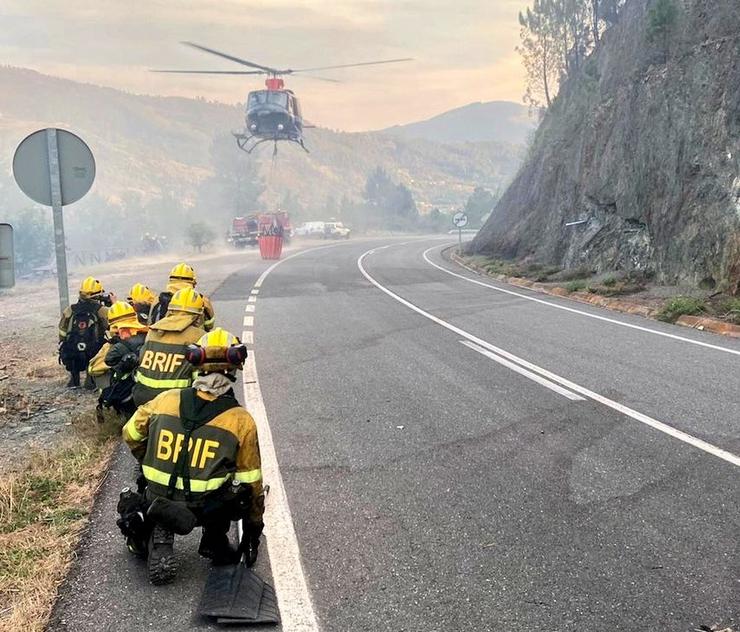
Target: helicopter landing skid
[(249, 143)]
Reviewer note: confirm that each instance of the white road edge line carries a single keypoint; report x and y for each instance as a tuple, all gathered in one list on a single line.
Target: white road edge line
[(532, 376), (248, 337), (248, 321), (249, 308), (555, 305), (645, 419), (294, 600)]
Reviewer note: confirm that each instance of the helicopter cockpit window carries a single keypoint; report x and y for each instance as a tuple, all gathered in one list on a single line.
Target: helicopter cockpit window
[(257, 98), (278, 98)]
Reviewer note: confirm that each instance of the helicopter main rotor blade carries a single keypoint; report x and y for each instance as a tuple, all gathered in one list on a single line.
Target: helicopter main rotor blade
[(212, 72), (364, 63), (319, 78), (238, 60)]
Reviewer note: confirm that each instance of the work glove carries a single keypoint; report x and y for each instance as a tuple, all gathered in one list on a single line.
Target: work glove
[(128, 363), (252, 533)]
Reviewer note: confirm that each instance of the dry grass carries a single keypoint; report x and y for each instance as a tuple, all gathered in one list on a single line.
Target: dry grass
[(43, 509)]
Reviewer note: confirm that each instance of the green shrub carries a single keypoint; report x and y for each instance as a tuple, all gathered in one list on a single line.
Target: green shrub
[(572, 274), (680, 306), (609, 281), (730, 310), (200, 235), (576, 286)]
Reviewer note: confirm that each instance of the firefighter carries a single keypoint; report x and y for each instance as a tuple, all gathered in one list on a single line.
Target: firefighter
[(97, 369), (200, 456), (163, 365), (122, 358), (181, 276), (82, 330), (141, 298)]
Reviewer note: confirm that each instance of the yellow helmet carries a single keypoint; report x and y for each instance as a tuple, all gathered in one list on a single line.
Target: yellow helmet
[(121, 312), (183, 272), (187, 300), (218, 350), (218, 338), (141, 293), (91, 288)]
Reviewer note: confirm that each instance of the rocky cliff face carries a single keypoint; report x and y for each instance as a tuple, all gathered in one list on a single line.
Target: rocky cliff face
[(644, 146)]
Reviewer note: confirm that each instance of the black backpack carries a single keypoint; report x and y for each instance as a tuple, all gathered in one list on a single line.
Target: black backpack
[(159, 311), (118, 394), (83, 339)]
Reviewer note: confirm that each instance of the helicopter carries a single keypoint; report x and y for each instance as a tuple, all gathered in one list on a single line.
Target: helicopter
[(273, 114)]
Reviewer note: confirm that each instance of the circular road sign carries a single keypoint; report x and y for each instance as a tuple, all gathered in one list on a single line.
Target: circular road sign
[(459, 219), (31, 167)]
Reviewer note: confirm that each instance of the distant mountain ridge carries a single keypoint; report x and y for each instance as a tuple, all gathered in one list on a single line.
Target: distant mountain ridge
[(151, 149), (499, 121)]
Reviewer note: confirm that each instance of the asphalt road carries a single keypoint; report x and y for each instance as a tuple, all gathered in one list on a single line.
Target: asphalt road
[(515, 482)]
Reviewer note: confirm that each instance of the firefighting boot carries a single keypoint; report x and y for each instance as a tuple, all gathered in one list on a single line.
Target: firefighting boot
[(89, 384), (74, 380), (161, 559), (216, 546), (137, 547)]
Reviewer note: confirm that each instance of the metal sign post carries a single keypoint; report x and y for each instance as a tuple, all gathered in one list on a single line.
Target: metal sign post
[(460, 220), (55, 186), (7, 257), (55, 168)]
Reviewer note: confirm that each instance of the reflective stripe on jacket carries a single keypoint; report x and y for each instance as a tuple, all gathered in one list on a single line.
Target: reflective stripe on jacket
[(225, 447)]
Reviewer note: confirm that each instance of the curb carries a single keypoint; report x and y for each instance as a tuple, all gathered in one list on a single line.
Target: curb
[(618, 305), (710, 324)]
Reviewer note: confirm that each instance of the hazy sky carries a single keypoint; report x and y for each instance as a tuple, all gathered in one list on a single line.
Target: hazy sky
[(463, 50)]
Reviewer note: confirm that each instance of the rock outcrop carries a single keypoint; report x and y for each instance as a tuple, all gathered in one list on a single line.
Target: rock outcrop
[(643, 150)]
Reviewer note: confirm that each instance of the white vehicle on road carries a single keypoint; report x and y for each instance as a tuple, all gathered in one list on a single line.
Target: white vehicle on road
[(310, 229), (336, 230)]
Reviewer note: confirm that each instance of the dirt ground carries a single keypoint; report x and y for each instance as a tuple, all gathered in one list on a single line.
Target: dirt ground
[(35, 405)]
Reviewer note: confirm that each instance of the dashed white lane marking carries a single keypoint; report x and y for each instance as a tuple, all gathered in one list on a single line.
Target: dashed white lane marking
[(249, 308), (248, 337), (532, 376), (555, 305), (648, 421), (252, 299), (294, 600)]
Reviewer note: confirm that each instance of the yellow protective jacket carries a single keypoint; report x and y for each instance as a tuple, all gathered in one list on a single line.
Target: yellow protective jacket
[(209, 316), (222, 447), (97, 366), (162, 363)]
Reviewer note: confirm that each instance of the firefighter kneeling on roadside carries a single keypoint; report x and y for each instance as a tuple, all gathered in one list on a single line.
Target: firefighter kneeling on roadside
[(200, 457), (82, 329), (163, 363), (182, 276)]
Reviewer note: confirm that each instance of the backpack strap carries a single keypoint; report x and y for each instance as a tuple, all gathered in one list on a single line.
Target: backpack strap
[(194, 413)]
